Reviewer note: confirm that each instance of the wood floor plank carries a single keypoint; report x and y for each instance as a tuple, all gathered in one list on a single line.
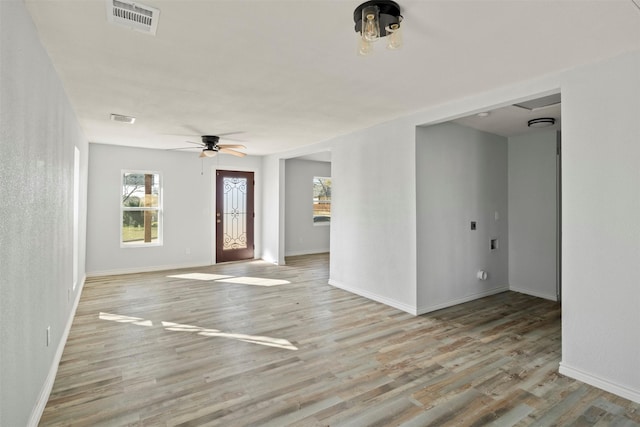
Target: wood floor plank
[(152, 350)]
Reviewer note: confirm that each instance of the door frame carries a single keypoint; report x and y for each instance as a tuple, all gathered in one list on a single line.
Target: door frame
[(559, 214), (212, 205)]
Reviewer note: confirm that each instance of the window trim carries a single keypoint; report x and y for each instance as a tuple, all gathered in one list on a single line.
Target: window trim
[(159, 209)]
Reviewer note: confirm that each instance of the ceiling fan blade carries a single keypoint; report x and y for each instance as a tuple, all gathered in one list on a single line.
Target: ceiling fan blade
[(230, 133), (196, 143), (182, 148), (193, 130), (208, 153), (232, 152), (232, 146)]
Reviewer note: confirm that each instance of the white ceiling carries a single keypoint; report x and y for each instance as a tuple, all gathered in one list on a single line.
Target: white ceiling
[(511, 120), (286, 73)]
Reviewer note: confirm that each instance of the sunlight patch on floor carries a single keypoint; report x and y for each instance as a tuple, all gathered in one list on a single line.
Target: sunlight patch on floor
[(205, 332), (253, 339), (200, 276), (125, 319), (253, 281)]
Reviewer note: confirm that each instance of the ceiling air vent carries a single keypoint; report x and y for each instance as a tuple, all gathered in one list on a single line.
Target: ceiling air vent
[(123, 119), (133, 15), (540, 103)]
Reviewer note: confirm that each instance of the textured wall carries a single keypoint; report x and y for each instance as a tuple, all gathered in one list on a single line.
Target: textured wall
[(38, 133)]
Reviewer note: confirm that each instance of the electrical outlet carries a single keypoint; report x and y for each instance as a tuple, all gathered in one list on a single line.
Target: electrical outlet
[(48, 335), (494, 244), (187, 251), (473, 225)]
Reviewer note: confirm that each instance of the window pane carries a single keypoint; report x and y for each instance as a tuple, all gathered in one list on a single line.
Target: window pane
[(321, 199), (141, 208), (140, 226), (141, 190)]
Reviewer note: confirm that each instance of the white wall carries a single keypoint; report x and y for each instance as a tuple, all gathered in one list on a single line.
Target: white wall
[(600, 225), (38, 136), (461, 176), (273, 218), (302, 236), (533, 214), (373, 227), (373, 212), (188, 195)]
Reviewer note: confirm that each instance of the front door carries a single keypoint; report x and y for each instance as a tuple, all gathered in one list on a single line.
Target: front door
[(234, 215)]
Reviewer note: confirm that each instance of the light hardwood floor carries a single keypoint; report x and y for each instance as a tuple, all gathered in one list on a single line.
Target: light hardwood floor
[(151, 350)]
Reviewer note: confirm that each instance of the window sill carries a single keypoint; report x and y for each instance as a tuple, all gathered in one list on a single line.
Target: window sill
[(139, 245)]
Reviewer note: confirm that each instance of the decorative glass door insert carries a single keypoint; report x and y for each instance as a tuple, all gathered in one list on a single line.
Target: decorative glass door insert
[(234, 211)]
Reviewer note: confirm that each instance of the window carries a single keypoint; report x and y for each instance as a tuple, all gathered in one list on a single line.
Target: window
[(321, 200), (141, 209)]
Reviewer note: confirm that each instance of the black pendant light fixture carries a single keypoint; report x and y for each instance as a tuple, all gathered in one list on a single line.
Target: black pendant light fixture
[(376, 19)]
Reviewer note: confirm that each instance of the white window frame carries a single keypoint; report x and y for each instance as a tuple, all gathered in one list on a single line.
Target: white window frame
[(159, 209)]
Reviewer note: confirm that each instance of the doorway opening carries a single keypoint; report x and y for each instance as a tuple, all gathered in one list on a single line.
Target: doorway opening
[(533, 133), (307, 204), (496, 172)]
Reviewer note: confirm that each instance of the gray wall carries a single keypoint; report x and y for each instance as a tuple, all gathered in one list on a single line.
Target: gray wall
[(461, 176), (533, 214), (38, 133), (301, 235), (188, 197)]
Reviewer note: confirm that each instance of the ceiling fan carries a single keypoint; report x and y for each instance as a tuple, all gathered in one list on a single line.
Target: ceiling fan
[(211, 148)]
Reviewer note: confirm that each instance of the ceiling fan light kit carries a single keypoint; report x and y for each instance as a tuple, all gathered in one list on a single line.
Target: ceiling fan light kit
[(376, 19), (208, 153), (210, 147)]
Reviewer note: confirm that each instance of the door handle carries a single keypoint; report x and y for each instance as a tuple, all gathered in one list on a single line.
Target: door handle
[(218, 221)]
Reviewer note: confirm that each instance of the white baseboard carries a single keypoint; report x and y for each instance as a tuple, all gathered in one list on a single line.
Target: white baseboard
[(375, 297), (600, 383), (456, 301), (533, 293), (307, 252), (43, 397), (145, 269)]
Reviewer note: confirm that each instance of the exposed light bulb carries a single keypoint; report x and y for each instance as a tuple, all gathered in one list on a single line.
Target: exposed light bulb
[(394, 36), (370, 23), (364, 47)]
